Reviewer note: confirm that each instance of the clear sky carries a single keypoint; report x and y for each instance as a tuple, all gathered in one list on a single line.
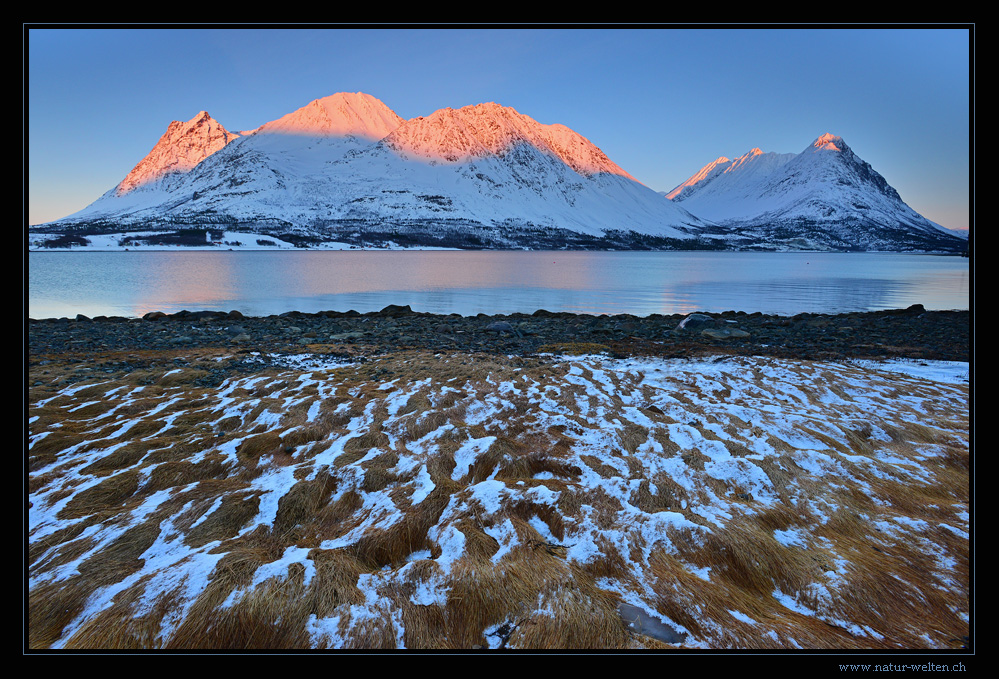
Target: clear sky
[(660, 101)]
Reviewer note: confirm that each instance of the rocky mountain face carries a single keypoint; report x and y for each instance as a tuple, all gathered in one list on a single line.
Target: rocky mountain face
[(179, 150), (346, 168), (824, 198)]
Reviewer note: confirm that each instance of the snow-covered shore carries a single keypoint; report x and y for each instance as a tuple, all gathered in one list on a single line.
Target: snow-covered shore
[(229, 240)]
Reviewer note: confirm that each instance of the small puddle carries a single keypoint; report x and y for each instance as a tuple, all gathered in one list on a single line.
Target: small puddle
[(643, 623)]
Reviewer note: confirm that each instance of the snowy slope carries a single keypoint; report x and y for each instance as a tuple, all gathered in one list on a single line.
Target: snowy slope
[(722, 185), (826, 196), (348, 159), (339, 115)]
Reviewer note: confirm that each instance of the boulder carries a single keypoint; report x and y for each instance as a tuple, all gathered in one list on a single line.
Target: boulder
[(499, 326), (185, 315), (338, 337), (696, 322), (393, 310), (724, 333)]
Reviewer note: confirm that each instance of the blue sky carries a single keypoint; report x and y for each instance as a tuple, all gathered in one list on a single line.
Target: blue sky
[(660, 102)]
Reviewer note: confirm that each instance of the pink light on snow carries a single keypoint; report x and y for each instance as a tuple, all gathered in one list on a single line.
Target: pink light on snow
[(461, 135)]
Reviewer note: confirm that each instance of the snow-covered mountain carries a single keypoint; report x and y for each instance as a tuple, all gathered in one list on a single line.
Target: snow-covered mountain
[(346, 167), (180, 149), (825, 197)]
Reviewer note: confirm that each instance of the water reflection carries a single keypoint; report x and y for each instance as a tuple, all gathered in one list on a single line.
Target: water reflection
[(199, 281), (261, 283)]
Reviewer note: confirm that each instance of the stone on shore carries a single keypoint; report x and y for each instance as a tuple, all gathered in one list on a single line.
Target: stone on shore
[(724, 333), (499, 326), (395, 310), (697, 322)]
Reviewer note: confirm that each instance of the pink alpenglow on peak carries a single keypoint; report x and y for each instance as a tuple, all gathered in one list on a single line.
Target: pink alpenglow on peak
[(700, 175), (745, 158), (721, 165), (828, 142), (182, 146), (461, 135), (339, 115)]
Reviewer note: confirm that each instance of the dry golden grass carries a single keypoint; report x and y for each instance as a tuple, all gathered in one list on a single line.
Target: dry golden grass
[(177, 473), (391, 546), (331, 512), (225, 522), (107, 494)]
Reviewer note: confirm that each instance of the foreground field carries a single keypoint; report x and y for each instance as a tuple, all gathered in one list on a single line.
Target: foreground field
[(458, 500)]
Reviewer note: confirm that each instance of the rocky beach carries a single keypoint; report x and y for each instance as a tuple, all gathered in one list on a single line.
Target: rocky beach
[(110, 343)]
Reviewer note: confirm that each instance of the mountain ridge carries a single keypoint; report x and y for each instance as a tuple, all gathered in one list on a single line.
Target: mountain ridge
[(492, 129), (347, 168), (479, 176)]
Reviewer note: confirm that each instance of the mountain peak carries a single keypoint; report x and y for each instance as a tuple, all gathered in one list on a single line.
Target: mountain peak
[(708, 171), (747, 157), (182, 146), (490, 129), (722, 172), (829, 142), (338, 115)]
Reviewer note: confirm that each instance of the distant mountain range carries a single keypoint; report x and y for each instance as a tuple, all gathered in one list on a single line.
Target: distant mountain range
[(347, 169)]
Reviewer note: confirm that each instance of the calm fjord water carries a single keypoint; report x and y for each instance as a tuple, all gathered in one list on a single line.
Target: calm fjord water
[(495, 282)]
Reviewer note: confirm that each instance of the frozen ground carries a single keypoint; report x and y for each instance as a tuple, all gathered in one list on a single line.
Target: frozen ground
[(448, 501)]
